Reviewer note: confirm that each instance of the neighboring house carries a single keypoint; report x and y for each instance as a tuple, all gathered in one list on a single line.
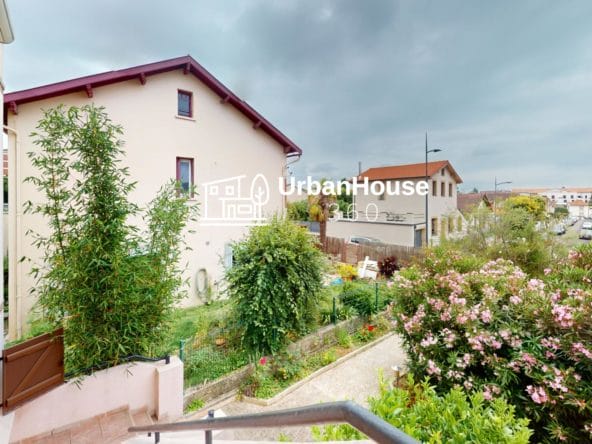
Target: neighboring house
[(558, 196), (179, 122), (579, 209), (400, 219), (468, 202)]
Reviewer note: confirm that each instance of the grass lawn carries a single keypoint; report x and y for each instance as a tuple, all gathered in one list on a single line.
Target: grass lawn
[(196, 321)]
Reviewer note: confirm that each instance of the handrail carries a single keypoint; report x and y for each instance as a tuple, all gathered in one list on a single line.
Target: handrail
[(332, 412)]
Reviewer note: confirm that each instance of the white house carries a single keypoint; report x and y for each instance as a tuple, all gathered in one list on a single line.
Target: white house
[(179, 122), (396, 218)]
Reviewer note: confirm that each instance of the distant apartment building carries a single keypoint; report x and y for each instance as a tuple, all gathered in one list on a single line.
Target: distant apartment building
[(399, 219), (559, 196)]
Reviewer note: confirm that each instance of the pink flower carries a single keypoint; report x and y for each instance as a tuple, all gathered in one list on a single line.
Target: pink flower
[(579, 348), (433, 369), (563, 315), (486, 316), (263, 360), (515, 300), (538, 394)]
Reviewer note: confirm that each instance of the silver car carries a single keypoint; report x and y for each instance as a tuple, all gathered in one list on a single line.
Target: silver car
[(586, 233)]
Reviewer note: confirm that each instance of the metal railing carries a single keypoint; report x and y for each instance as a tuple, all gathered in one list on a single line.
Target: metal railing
[(329, 413)]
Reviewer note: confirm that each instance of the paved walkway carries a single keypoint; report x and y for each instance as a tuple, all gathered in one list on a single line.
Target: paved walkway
[(355, 379)]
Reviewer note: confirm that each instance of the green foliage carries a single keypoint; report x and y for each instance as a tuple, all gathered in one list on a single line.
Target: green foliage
[(111, 286), (422, 413), (494, 328), (210, 362), (361, 296), (561, 211), (535, 206), (194, 405), (274, 284), (298, 211), (512, 235)]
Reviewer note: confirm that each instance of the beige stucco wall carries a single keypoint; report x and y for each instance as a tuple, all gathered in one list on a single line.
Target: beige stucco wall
[(388, 233), (221, 140)]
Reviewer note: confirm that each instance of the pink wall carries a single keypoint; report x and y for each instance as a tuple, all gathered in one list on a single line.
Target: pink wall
[(155, 386)]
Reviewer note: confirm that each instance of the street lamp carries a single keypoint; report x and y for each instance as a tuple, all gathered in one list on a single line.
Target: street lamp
[(495, 192), (436, 150)]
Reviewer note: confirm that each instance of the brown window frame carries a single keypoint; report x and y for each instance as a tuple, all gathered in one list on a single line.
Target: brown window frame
[(434, 188)]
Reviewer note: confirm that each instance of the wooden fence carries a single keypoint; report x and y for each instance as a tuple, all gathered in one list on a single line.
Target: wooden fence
[(353, 253)]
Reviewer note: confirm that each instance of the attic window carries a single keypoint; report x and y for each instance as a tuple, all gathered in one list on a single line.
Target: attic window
[(184, 103), (442, 171)]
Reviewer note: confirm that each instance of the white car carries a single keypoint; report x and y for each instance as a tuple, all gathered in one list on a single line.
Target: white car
[(587, 225), (586, 233)]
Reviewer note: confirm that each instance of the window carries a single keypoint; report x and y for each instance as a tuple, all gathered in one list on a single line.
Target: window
[(434, 188), (443, 172), (184, 103), (449, 190), (185, 173), (434, 226), (228, 256), (443, 189), (382, 196)]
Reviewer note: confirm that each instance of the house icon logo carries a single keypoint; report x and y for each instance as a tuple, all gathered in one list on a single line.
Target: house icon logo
[(224, 203)]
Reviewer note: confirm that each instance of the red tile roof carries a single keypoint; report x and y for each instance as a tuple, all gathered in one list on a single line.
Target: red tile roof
[(410, 171), (186, 63), (578, 203)]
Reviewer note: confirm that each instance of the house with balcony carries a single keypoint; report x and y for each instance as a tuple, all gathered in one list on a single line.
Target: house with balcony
[(179, 121), (399, 218)]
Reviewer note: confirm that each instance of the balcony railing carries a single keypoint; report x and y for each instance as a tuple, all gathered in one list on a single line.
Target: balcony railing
[(330, 413)]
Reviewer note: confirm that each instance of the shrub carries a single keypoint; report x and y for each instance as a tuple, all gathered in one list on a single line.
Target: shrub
[(388, 266), (347, 271), (422, 413), (274, 284), (492, 328), (109, 284), (361, 296)]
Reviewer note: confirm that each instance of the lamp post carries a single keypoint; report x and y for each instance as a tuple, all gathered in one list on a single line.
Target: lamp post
[(436, 150), (496, 184)]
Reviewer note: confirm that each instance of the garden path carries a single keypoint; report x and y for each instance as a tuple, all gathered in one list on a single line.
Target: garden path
[(354, 379)]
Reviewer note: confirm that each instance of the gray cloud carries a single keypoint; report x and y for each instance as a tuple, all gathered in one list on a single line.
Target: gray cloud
[(504, 87)]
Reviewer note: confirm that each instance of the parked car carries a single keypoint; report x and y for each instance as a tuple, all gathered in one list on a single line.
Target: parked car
[(365, 240), (558, 229), (572, 220), (587, 225), (586, 233)]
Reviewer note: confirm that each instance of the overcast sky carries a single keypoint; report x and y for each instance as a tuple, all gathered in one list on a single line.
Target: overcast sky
[(503, 87)]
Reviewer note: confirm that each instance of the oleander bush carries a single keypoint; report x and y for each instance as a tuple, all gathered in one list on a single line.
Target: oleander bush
[(274, 285), (452, 417), (488, 326)]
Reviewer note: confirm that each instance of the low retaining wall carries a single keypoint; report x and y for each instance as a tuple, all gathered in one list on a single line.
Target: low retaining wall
[(158, 387), (314, 342)]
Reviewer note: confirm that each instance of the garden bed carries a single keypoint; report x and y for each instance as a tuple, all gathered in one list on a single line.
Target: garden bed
[(313, 366)]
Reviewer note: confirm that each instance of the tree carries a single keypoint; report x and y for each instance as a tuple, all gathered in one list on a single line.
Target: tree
[(110, 285), (319, 206), (298, 211), (536, 206), (274, 284)]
